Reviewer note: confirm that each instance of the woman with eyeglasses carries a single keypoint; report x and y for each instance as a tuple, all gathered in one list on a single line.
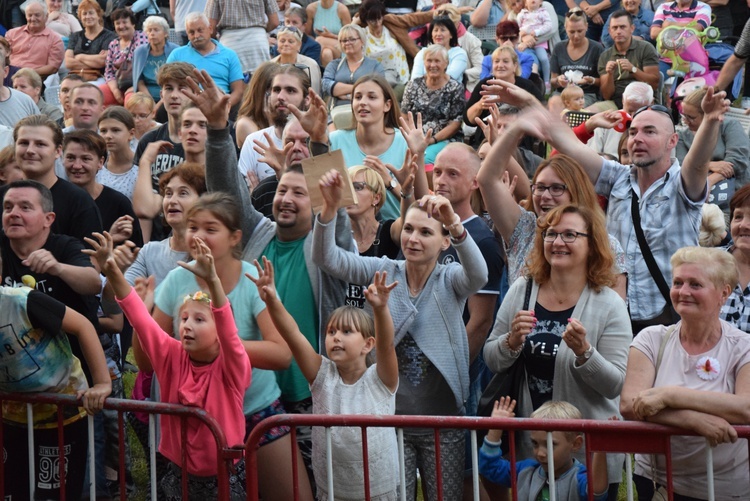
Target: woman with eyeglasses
[(340, 74), (573, 337), (577, 53), (557, 181), (289, 42), (731, 157), (325, 18)]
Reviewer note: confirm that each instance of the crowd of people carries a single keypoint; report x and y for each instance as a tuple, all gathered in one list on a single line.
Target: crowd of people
[(521, 198)]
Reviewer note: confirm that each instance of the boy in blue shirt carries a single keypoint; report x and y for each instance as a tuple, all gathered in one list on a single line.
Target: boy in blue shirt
[(571, 482)]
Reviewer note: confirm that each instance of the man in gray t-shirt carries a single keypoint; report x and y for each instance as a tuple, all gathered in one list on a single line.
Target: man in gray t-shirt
[(14, 105)]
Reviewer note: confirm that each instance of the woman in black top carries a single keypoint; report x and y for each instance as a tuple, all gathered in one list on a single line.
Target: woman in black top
[(87, 49)]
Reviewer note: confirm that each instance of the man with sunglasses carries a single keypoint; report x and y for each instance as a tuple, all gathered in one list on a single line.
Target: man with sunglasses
[(667, 197), (628, 60)]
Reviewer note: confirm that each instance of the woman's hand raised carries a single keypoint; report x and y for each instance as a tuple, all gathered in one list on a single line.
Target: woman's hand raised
[(416, 139), (203, 265), (332, 188), (440, 208), (265, 281)]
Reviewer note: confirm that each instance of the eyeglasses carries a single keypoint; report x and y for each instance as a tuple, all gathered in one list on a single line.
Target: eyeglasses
[(349, 40), (361, 185), (507, 37), (566, 236), (555, 190)]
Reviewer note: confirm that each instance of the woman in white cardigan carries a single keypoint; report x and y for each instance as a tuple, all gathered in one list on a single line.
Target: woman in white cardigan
[(574, 336)]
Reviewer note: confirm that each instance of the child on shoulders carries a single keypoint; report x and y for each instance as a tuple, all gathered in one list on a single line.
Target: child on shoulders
[(570, 475)]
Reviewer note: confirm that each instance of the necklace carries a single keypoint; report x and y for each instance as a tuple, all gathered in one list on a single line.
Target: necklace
[(556, 296)]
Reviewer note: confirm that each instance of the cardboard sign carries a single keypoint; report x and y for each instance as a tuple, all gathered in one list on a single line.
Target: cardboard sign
[(315, 167)]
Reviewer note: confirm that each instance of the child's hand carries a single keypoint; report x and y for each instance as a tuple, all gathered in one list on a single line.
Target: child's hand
[(93, 398), (264, 282), (378, 292), (504, 408), (203, 266), (102, 250)]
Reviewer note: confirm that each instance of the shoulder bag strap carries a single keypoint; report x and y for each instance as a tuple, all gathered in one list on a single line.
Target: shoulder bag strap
[(653, 268)]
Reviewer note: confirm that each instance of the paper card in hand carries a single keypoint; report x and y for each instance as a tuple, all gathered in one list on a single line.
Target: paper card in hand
[(315, 167)]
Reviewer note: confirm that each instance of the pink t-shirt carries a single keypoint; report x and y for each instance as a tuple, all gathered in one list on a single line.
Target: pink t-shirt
[(218, 387), (678, 368)]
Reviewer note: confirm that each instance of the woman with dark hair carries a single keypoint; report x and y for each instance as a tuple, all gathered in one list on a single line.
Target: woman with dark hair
[(375, 140), (118, 67), (573, 337), (443, 32)]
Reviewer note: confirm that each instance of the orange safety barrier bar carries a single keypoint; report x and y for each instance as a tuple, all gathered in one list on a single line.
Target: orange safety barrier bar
[(600, 436), (225, 454)]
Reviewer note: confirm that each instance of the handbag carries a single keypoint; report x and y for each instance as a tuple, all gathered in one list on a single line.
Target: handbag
[(506, 384), (124, 74), (668, 315)]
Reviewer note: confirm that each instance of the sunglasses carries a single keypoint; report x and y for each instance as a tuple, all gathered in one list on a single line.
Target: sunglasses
[(299, 66), (574, 12), (505, 38), (361, 185), (658, 108)]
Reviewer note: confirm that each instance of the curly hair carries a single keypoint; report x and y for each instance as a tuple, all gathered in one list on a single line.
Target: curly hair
[(600, 261)]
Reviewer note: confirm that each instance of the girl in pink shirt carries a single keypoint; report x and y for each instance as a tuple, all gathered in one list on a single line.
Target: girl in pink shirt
[(207, 368)]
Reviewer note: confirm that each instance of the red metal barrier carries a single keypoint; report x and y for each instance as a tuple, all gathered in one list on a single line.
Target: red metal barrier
[(600, 436), (225, 454)]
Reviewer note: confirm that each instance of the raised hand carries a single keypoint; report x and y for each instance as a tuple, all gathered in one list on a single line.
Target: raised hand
[(122, 228), (521, 326), (407, 173), (265, 281), (152, 150), (102, 250), (508, 93), (489, 127), (510, 184), (211, 100), (378, 292), (416, 139), (203, 264), (604, 120), (125, 254), (332, 188), (144, 287), (270, 154), (440, 208), (504, 408), (715, 104), (378, 166), (315, 120)]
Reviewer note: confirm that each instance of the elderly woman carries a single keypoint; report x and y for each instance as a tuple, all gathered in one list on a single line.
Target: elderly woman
[(118, 68), (297, 17), (440, 100), (29, 82), (61, 22), (573, 339), (467, 41), (340, 74), (731, 156), (149, 57), (87, 49), (693, 375), (443, 32), (289, 42), (325, 19), (577, 53)]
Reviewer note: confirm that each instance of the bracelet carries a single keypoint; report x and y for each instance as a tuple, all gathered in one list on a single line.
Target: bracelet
[(513, 353), (456, 222), (459, 238), (406, 196)]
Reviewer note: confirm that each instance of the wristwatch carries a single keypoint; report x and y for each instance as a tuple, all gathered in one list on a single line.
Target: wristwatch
[(583, 357), (392, 185), (634, 70)]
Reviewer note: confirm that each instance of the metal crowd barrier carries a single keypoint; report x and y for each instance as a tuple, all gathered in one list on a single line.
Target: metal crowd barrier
[(224, 455), (600, 436)]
